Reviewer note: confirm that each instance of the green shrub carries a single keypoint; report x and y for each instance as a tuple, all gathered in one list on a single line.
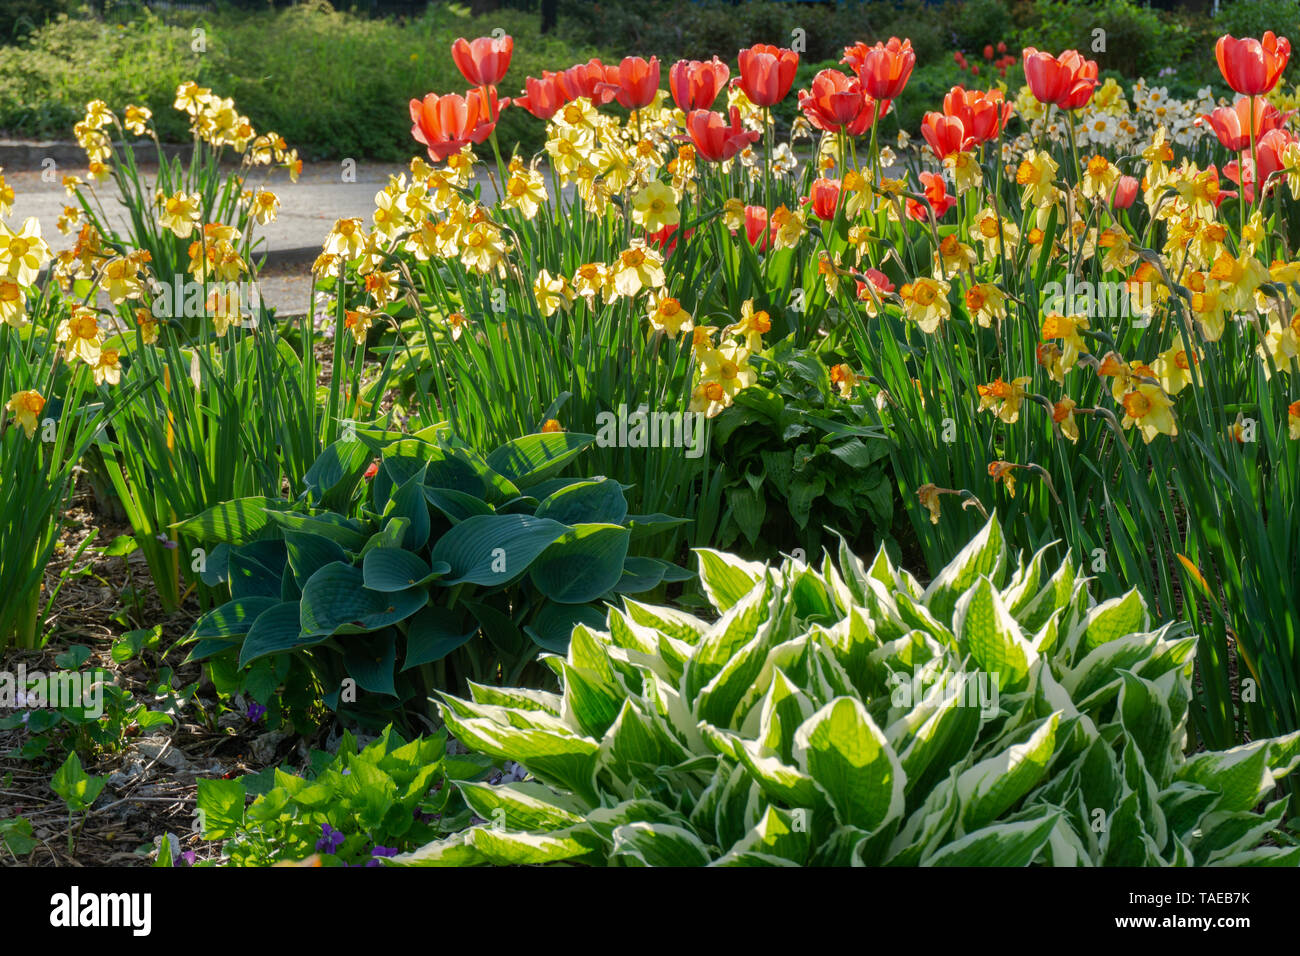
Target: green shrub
[(1138, 40), (795, 729), (348, 809), (799, 460), (1250, 18), (442, 567)]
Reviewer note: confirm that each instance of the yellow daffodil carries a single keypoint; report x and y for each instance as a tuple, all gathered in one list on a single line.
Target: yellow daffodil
[(23, 253), (79, 334), (668, 316), (654, 208), (1150, 409), (1005, 398), (26, 407), (925, 302)]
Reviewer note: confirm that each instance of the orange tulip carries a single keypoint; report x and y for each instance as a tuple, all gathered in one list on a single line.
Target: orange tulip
[(483, 62), (1232, 123), (837, 104), (945, 134), (590, 80), (633, 82), (1067, 81), (883, 69), (713, 138), (936, 194), (446, 123), (1252, 67), (824, 196), (695, 84), (1269, 150), (982, 113), (543, 97), (766, 73)]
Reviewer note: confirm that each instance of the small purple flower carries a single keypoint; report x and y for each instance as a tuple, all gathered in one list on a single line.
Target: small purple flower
[(384, 851), (166, 542), (256, 712), (189, 856), (347, 771), (330, 841)]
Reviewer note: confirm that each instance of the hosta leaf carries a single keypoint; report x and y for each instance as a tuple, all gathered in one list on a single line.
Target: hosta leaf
[(507, 848), (844, 752), (992, 786), (586, 502), (336, 597), (395, 569), (987, 628), (275, 631), (583, 564), (984, 555), (726, 578), (526, 461), (1002, 844), (493, 549), (658, 844), (521, 806)]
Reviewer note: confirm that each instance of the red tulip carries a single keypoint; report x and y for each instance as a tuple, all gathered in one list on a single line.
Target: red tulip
[(878, 279), (975, 70), (757, 230), (446, 123), (1002, 47), (666, 238), (959, 59), (1126, 191), (588, 80), (936, 194), (1252, 67), (766, 73), (713, 138), (1232, 123), (1067, 81), (945, 134), (543, 97), (824, 196), (695, 84), (885, 68), (483, 62), (634, 82), (983, 114), (988, 51), (837, 103)]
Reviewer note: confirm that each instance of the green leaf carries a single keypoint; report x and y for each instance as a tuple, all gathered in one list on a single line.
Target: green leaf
[(1003, 844), (78, 789), (433, 634), (583, 565), (526, 461), (233, 522), (658, 844), (221, 807), (276, 630), (600, 501), (984, 555), (493, 549), (396, 569), (847, 756), (336, 597)]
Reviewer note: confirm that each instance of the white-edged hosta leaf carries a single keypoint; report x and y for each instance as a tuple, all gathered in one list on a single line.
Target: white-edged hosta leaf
[(984, 625), (778, 834), (509, 848), (985, 554), (1114, 619), (993, 785), (846, 755), (727, 578), (455, 850), (657, 844), (1002, 844), (1288, 856), (1241, 774), (522, 805)]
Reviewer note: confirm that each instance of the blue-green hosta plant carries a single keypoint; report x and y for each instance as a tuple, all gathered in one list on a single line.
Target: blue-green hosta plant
[(841, 716), (412, 563)]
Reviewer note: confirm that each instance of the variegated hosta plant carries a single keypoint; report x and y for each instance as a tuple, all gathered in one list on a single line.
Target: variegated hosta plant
[(849, 716)]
